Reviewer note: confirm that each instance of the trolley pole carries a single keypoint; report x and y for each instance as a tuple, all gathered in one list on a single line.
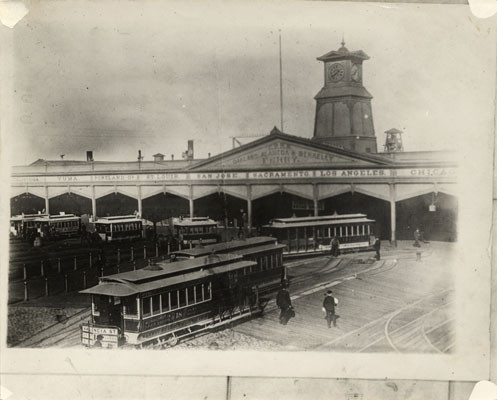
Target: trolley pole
[(26, 298)]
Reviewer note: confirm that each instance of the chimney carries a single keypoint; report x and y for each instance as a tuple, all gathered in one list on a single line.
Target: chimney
[(158, 157), (89, 156), (190, 150)]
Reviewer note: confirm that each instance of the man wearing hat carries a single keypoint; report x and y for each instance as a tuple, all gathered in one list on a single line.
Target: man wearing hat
[(329, 304)]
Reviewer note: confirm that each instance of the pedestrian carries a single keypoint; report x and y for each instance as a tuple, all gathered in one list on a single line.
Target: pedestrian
[(377, 246), (329, 305), (335, 247), (284, 302), (241, 224), (417, 236)]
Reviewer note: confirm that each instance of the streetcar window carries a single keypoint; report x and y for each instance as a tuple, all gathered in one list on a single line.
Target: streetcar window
[(198, 293), (182, 297), (173, 297), (164, 301), (146, 306), (207, 291), (155, 304), (129, 304), (190, 295)]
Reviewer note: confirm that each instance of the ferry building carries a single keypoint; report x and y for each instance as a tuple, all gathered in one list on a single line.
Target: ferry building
[(280, 175)]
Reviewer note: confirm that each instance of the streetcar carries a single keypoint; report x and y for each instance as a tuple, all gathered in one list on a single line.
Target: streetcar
[(313, 234), (60, 226), (264, 250), (194, 231), (22, 225), (160, 304), (119, 228)]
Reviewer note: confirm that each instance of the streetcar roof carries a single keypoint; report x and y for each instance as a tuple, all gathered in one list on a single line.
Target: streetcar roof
[(278, 225), (320, 218), (173, 268), (119, 287), (198, 221), (225, 247), (27, 217), (65, 217), (117, 220)]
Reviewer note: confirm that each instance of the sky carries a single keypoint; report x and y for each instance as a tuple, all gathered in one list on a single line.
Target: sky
[(116, 77)]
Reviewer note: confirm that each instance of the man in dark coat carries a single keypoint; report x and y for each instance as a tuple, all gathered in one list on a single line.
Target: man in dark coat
[(377, 246), (284, 302), (329, 304)]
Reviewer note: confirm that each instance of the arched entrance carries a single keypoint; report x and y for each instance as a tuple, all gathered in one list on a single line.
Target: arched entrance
[(437, 223), (70, 203), (116, 204), (26, 203), (220, 206), (163, 206), (280, 205), (354, 202)]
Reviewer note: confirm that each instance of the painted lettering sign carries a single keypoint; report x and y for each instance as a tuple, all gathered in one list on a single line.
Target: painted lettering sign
[(133, 179), (282, 153)]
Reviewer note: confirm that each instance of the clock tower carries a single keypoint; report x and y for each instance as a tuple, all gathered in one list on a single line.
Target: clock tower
[(343, 106)]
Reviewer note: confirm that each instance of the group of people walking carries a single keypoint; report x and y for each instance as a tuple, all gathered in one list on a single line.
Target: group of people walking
[(284, 302)]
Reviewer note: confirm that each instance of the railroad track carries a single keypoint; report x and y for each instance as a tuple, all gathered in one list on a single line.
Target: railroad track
[(58, 333)]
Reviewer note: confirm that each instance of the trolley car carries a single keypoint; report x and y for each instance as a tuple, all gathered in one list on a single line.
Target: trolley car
[(60, 226), (162, 303), (313, 234), (22, 225), (193, 231), (264, 250), (119, 228)]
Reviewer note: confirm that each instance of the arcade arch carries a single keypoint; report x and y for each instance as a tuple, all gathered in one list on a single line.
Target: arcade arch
[(26, 203), (70, 203)]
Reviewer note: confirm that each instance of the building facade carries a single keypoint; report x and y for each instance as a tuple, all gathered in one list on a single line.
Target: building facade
[(279, 175)]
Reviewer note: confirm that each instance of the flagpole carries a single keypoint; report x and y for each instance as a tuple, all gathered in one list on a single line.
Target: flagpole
[(281, 88)]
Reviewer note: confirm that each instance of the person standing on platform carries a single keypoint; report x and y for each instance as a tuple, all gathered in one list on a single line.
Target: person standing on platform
[(377, 246), (241, 224), (335, 247), (417, 236), (329, 305), (284, 302)]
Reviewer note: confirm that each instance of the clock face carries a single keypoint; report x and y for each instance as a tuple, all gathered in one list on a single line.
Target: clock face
[(336, 72), (355, 73)]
